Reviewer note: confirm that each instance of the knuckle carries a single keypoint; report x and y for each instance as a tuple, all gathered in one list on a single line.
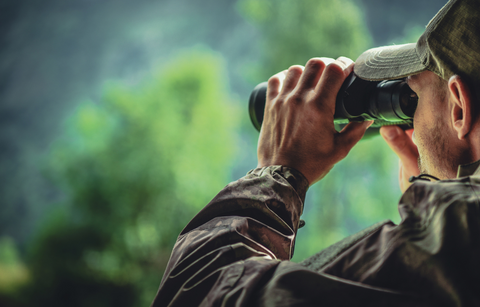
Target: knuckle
[(334, 70), (316, 63), (295, 69), (295, 98), (277, 104), (344, 60), (273, 81)]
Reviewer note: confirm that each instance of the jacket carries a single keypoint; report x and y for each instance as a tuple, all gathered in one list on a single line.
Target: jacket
[(236, 251)]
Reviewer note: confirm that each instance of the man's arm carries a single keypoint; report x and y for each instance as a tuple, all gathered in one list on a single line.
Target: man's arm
[(240, 236), (234, 245)]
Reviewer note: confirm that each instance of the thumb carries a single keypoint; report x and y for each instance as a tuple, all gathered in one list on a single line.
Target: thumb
[(401, 143), (351, 134)]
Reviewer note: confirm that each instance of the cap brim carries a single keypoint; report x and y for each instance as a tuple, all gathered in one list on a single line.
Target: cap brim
[(390, 62)]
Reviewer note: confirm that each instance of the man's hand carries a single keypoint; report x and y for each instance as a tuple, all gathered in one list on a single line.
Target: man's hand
[(401, 143), (298, 129)]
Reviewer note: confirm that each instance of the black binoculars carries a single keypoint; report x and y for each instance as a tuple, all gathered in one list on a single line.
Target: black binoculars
[(388, 102)]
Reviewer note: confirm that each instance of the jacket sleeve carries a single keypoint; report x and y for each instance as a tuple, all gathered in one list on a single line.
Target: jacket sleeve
[(236, 241), (234, 252)]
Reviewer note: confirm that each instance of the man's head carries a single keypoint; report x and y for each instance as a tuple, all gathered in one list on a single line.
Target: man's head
[(443, 68), (444, 129)]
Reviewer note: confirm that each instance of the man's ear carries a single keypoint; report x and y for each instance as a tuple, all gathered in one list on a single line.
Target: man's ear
[(462, 100)]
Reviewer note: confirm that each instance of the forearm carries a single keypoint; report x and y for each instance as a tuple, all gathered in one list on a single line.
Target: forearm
[(256, 216)]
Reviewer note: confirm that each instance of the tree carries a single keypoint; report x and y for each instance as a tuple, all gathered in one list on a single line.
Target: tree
[(294, 31), (135, 168)]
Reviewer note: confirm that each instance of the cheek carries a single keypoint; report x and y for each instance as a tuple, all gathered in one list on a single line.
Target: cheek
[(419, 137), (421, 121), (417, 120)]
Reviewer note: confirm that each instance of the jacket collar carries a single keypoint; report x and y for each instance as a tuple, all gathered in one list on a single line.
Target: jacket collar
[(471, 169)]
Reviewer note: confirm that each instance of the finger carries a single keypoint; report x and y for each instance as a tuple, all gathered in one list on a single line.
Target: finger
[(327, 61), (346, 61), (400, 142), (404, 177), (403, 182), (291, 80), (332, 79), (400, 173), (275, 84), (350, 135), (311, 74)]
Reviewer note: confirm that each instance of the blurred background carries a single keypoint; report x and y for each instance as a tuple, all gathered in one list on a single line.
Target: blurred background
[(121, 119)]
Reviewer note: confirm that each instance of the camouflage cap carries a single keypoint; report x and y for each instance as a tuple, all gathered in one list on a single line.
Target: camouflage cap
[(450, 45)]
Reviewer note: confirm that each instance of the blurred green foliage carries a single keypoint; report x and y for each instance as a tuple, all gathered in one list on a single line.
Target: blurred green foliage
[(135, 168), (13, 273), (295, 31)]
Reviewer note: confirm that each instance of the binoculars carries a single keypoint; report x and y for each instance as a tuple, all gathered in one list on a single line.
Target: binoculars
[(388, 102)]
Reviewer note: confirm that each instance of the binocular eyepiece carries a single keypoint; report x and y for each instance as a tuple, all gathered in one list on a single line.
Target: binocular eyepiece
[(388, 102)]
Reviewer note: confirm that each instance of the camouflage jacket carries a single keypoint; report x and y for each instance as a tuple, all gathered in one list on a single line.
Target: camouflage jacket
[(236, 251)]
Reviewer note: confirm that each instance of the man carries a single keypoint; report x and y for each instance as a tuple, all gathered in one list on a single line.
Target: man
[(235, 251)]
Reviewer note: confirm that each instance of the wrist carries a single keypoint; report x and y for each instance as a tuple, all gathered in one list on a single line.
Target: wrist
[(294, 177)]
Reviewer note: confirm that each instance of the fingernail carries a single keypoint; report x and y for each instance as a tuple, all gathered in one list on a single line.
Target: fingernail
[(391, 133)]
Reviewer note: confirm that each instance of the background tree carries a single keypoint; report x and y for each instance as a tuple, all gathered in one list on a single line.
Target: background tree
[(135, 168), (294, 31)]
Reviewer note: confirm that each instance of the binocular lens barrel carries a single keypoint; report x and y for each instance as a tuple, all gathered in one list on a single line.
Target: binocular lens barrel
[(393, 101), (386, 102)]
